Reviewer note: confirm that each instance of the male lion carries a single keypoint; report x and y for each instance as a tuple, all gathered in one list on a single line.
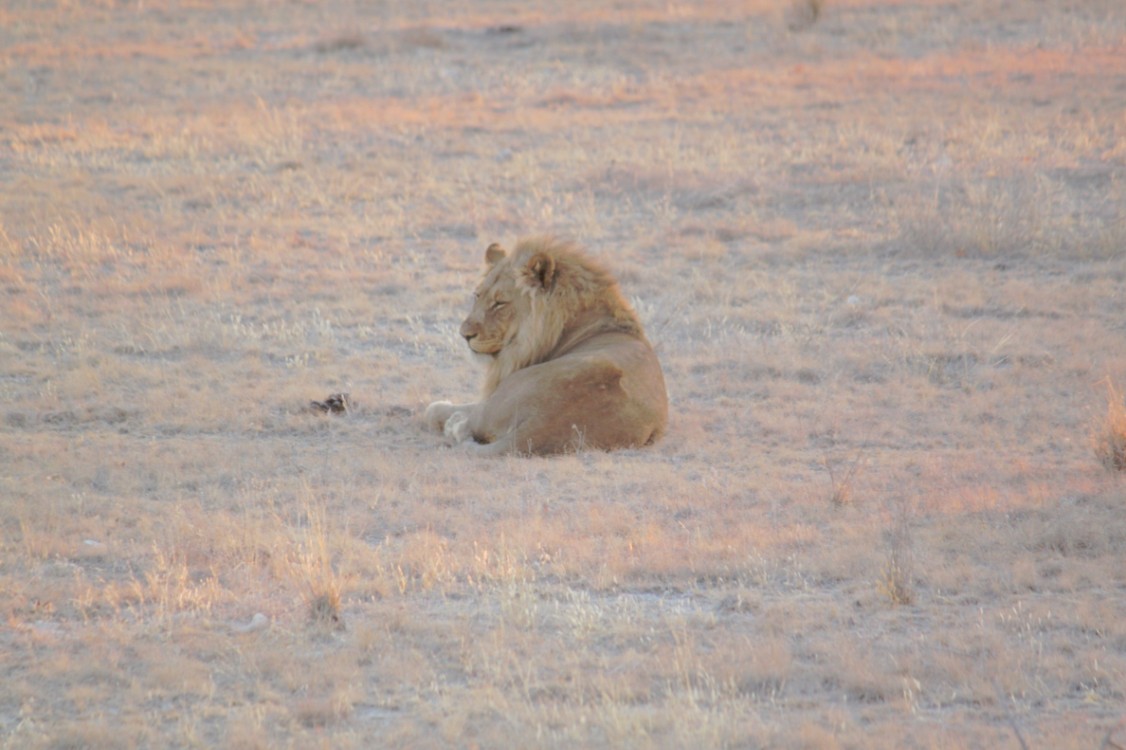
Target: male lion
[(568, 364)]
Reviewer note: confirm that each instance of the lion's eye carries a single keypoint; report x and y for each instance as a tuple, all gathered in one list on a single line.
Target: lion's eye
[(498, 304)]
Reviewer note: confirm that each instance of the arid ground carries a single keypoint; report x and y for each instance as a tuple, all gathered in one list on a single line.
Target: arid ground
[(880, 246)]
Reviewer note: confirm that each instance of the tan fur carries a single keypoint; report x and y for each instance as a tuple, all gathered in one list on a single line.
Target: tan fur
[(568, 365)]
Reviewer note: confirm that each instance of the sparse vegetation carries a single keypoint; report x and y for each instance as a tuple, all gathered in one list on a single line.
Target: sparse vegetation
[(842, 479), (898, 577), (1110, 435), (896, 236), (314, 564)]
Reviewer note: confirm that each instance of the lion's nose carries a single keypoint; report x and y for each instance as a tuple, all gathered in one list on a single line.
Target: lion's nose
[(469, 336)]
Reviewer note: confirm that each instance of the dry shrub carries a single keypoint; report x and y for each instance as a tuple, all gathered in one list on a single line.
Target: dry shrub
[(842, 481), (897, 581), (324, 608), (314, 567), (1110, 436)]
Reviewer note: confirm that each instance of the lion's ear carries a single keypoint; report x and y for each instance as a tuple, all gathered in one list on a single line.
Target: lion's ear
[(540, 271), (494, 254)]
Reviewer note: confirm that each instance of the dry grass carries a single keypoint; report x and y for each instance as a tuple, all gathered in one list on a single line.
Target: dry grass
[(1110, 436), (876, 241), (842, 478), (898, 579)]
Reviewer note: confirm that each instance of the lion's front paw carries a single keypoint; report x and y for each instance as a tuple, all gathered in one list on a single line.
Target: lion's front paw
[(437, 414), (457, 428)]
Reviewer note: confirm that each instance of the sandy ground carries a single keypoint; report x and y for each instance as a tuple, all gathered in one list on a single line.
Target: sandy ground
[(881, 250)]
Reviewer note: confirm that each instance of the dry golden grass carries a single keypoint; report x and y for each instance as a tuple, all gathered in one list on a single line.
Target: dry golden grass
[(878, 245), (1110, 435)]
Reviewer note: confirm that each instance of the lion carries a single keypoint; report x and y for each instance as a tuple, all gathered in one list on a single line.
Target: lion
[(567, 364)]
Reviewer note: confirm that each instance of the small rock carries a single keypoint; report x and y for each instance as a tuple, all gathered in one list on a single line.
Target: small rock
[(337, 403), (258, 622)]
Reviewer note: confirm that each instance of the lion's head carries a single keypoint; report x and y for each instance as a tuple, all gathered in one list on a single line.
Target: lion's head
[(532, 303)]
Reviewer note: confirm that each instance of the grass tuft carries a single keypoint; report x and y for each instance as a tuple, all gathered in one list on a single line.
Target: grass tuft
[(313, 566), (324, 608), (897, 581), (842, 482), (1109, 438)]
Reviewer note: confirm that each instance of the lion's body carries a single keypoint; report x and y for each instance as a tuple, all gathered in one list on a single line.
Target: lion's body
[(568, 364)]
